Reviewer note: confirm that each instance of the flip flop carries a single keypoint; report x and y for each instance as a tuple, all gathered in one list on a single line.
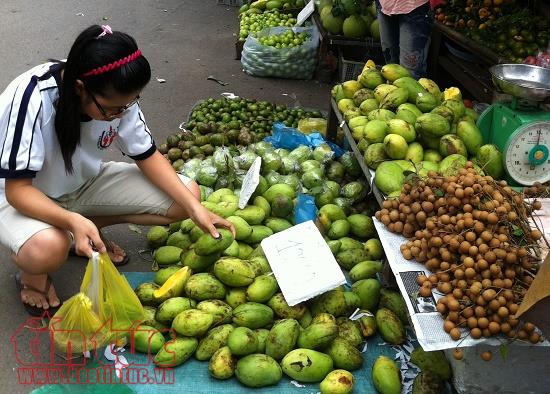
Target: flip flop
[(31, 309), (124, 261)]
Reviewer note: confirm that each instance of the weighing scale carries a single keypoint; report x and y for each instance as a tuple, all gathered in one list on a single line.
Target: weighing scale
[(520, 128)]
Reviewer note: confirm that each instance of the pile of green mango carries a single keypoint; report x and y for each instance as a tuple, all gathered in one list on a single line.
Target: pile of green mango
[(233, 315), (404, 125)]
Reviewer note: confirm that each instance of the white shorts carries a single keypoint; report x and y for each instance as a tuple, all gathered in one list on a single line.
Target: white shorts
[(119, 189)]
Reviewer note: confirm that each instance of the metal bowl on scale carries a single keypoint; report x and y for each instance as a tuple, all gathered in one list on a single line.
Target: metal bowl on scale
[(522, 81)]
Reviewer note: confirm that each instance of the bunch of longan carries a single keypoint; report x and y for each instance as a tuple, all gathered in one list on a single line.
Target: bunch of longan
[(538, 190), (473, 234)]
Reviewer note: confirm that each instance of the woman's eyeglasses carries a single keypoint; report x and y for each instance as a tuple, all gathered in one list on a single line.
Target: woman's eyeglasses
[(115, 113)]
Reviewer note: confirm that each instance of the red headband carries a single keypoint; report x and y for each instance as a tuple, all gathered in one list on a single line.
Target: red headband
[(114, 65)]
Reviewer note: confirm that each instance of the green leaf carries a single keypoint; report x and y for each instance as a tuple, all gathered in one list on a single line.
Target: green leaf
[(518, 232), (438, 192), (503, 350)]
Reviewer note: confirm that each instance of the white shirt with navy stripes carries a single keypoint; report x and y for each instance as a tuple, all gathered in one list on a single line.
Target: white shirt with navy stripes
[(29, 145)]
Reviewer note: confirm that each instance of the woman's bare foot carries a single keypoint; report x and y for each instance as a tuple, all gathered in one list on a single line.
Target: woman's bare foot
[(35, 293), (115, 252)]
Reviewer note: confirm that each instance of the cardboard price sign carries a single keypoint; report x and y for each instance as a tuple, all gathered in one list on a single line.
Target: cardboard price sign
[(302, 263)]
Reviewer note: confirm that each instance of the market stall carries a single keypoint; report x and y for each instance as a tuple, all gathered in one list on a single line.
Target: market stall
[(377, 248)]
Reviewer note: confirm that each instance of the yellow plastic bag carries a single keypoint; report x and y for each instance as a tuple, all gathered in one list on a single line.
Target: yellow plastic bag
[(76, 328), (112, 298), (309, 125)]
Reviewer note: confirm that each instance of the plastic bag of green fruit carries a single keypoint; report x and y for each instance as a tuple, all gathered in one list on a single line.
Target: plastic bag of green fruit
[(281, 52)]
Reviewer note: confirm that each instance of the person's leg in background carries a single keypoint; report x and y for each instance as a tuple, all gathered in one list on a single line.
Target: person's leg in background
[(389, 34), (415, 30)]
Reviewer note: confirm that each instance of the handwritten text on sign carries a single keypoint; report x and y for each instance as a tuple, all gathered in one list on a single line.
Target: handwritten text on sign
[(302, 263)]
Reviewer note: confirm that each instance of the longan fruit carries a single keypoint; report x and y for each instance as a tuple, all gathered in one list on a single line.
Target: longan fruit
[(475, 333), (472, 322), (455, 334), (486, 356), (441, 308), (523, 335), (425, 291), (534, 337), (494, 328), (489, 294), (453, 316), (458, 354), (494, 305), (453, 305), (420, 279), (483, 322), (448, 326), (529, 327)]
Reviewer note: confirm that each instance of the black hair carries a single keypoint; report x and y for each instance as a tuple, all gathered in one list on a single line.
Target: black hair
[(89, 51)]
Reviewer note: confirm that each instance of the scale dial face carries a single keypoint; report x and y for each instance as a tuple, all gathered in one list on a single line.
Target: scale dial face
[(526, 155)]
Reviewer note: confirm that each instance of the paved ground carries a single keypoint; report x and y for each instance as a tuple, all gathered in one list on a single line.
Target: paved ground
[(185, 41)]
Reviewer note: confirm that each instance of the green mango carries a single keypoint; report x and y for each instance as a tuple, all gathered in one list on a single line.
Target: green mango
[(245, 251), (338, 229), (259, 232), (242, 228), (261, 202), (282, 338), (434, 362), (338, 381), (222, 208), (385, 376), (352, 300), (427, 383), (180, 240), (365, 270), (192, 322), (348, 243), (252, 214), (217, 195), (349, 330), (333, 212), (332, 302), (369, 292), (195, 233), (149, 319), (306, 365), (144, 293), (334, 245), (204, 286), (198, 263), (175, 352), (323, 318), (186, 225), (157, 236), (169, 309), (361, 226), (279, 189), (349, 258), (262, 289), (390, 327), (367, 323), (260, 264), (234, 272), (412, 86), (235, 297), (232, 250), (278, 224), (393, 301), (207, 244), (166, 255), (261, 334), (373, 249), (344, 355), (222, 364), (252, 315), (258, 370), (221, 311), (147, 339), (215, 339), (163, 274), (306, 319), (317, 335), (242, 341), (279, 305)]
